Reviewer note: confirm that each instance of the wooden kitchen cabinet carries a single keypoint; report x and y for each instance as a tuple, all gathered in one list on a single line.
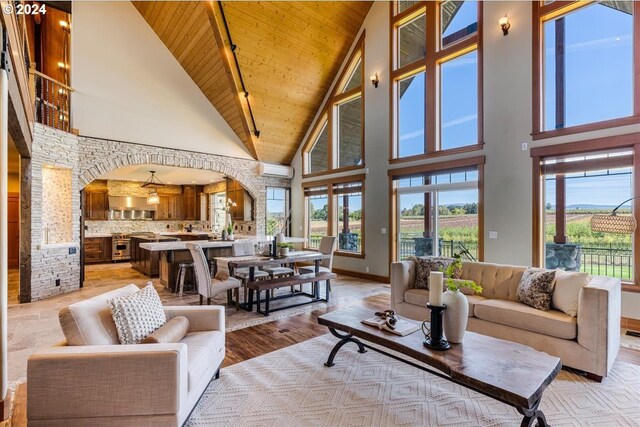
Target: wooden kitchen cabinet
[(97, 249), (191, 195), (96, 205), (244, 209), (171, 207)]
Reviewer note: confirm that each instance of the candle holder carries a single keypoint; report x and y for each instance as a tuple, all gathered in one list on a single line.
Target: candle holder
[(435, 340)]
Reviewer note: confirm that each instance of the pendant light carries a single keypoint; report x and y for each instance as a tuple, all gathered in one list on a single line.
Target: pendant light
[(154, 183)]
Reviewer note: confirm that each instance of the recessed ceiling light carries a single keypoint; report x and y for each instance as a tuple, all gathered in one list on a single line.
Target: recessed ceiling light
[(193, 182)]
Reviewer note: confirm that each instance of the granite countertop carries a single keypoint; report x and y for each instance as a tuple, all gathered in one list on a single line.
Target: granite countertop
[(96, 235), (181, 233), (178, 245), (157, 238)]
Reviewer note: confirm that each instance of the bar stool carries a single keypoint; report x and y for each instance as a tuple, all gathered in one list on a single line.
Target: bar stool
[(183, 269)]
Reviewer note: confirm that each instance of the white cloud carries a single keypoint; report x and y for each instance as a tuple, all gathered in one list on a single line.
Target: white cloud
[(412, 135), (459, 121)]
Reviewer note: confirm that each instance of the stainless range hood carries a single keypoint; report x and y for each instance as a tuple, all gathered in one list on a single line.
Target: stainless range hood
[(131, 208)]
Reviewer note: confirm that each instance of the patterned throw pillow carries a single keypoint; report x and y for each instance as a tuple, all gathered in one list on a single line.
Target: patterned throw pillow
[(536, 288), (137, 315), (424, 267)]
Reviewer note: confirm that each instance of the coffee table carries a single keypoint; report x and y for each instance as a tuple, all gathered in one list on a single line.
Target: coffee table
[(509, 372)]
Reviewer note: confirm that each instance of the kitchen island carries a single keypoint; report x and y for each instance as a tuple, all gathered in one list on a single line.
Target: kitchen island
[(172, 253)]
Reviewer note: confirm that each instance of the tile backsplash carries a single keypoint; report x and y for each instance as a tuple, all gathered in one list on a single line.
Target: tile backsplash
[(126, 227)]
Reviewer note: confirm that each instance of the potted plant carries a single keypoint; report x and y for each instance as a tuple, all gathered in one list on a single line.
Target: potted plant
[(456, 316), (230, 235), (283, 248)]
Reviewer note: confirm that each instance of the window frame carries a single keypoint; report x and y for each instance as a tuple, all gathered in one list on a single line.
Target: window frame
[(545, 12), (332, 218), (287, 203), (436, 55), (329, 114), (444, 166), (627, 141)]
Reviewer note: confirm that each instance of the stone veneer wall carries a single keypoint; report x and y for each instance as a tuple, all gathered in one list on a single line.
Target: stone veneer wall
[(57, 216), (125, 226), (40, 266), (89, 159)]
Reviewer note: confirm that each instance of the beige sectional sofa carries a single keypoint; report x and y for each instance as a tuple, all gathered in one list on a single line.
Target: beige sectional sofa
[(98, 382), (589, 342)]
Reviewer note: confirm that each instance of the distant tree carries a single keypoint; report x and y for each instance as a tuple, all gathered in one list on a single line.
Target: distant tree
[(356, 215), (443, 210), (470, 208), (548, 206), (321, 214)]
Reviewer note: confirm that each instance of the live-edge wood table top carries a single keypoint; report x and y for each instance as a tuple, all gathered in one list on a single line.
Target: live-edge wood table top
[(508, 371)]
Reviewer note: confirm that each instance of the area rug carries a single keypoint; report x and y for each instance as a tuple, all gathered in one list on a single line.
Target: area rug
[(292, 387), (629, 341)]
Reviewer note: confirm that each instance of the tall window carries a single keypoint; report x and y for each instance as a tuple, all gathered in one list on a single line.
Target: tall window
[(316, 214), (278, 207), (585, 61), (337, 142), (438, 213), (436, 79), (336, 208), (575, 188)]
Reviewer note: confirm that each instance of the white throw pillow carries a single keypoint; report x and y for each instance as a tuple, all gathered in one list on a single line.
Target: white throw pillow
[(137, 315), (567, 290)]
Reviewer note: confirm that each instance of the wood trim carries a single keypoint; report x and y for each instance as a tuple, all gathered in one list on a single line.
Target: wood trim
[(408, 70), (480, 74), (466, 45), (561, 221), (212, 14), (349, 254), (542, 13), (441, 153), (431, 94), (431, 167), (536, 226), (313, 136), (481, 212), (333, 172), (347, 96), (589, 127), (626, 140), (636, 212), (587, 165), (366, 276), (630, 323), (408, 14), (392, 223)]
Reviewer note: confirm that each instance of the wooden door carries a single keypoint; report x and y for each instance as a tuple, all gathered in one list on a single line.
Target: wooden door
[(14, 230), (178, 207), (97, 205), (163, 208)]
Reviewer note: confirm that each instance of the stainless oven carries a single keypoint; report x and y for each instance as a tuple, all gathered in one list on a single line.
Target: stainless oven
[(120, 247)]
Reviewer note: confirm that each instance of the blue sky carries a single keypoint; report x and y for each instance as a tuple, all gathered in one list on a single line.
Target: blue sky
[(604, 190)]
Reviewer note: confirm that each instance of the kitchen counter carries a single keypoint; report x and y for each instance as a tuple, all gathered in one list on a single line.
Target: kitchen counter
[(178, 246), (96, 235)]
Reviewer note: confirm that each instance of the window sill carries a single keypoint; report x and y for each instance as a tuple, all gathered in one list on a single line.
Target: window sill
[(349, 254), (435, 154), (332, 171), (628, 287), (624, 121)]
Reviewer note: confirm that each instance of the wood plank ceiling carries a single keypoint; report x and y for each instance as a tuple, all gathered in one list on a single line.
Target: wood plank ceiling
[(289, 54)]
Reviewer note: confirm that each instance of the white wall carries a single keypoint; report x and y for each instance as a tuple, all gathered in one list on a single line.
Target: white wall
[(130, 88), (507, 124)]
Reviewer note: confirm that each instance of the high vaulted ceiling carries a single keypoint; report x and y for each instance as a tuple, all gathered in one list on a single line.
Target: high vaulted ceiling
[(289, 54)]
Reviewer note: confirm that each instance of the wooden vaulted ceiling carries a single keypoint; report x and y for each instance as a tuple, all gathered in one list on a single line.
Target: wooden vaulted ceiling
[(289, 54)]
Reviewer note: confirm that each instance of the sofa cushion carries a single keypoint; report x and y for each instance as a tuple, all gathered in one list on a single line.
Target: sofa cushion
[(536, 288), (171, 332), (421, 297), (567, 291), (137, 315), (553, 323), (90, 322), (202, 349), (424, 267)]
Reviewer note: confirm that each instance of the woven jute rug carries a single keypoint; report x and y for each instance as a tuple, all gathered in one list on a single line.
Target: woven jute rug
[(292, 387)]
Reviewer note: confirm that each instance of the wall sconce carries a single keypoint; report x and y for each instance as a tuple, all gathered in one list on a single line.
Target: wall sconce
[(64, 25), (505, 25), (375, 79), (62, 65)]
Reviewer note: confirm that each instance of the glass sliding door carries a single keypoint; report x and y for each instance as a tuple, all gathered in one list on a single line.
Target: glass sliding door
[(278, 211), (437, 215), (317, 207)]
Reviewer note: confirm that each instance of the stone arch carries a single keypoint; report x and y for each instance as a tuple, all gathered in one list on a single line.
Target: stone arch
[(96, 158)]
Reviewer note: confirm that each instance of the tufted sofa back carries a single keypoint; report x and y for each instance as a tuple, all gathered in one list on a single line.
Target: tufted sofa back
[(498, 281)]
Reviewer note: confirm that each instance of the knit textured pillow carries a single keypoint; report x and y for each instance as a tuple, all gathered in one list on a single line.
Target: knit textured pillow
[(424, 267), (137, 315), (536, 288)]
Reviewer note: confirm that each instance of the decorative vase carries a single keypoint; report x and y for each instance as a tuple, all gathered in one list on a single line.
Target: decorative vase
[(280, 238), (224, 234), (230, 236), (456, 316), (284, 251)]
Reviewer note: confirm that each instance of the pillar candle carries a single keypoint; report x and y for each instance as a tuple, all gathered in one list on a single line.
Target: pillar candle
[(435, 288)]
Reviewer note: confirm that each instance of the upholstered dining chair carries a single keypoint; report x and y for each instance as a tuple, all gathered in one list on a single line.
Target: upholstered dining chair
[(209, 287), (246, 249), (327, 247)]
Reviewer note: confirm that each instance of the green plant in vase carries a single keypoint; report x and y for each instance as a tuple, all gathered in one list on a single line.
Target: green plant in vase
[(284, 247), (230, 229)]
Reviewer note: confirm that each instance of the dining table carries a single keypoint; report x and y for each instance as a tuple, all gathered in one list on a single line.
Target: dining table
[(253, 262)]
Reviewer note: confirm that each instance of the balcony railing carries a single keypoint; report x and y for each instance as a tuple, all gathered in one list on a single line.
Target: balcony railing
[(52, 102)]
